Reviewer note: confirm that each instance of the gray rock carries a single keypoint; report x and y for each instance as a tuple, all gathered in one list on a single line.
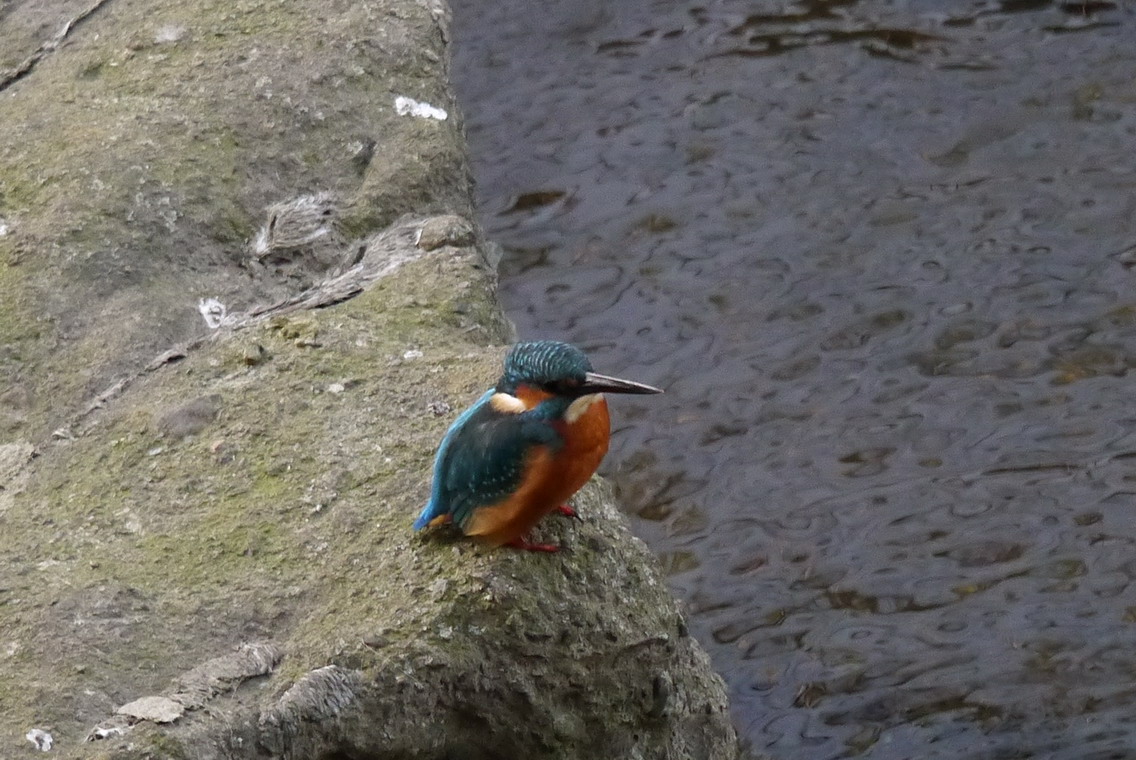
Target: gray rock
[(154, 709), (443, 230), (189, 419), (140, 147)]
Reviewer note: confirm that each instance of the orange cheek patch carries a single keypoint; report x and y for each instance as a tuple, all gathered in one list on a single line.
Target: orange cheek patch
[(532, 396)]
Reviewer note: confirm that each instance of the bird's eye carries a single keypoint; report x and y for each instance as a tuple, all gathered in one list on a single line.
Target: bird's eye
[(564, 386)]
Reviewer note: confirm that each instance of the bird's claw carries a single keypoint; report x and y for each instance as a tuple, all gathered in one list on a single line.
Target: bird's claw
[(520, 543), (567, 511)]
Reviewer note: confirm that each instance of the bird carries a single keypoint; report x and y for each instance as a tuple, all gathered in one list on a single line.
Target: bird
[(525, 447)]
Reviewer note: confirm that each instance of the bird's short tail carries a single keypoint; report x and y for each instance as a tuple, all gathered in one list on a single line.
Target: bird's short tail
[(432, 514)]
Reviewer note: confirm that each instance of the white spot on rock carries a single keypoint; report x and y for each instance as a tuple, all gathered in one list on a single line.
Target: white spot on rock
[(213, 311), (40, 738), (130, 523), (105, 732), (3, 227), (169, 33), (261, 245), (413, 353), (405, 106), (336, 388)]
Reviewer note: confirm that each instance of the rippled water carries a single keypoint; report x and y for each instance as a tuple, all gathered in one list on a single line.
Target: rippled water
[(881, 256)]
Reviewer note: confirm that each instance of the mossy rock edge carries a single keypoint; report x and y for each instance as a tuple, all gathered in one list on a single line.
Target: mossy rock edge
[(174, 495)]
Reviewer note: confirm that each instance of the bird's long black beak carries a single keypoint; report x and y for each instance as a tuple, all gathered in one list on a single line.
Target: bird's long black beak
[(596, 383)]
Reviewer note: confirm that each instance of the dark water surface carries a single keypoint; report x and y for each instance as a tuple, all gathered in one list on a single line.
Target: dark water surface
[(881, 255)]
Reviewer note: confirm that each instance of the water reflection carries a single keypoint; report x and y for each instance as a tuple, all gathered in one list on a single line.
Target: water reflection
[(879, 253)]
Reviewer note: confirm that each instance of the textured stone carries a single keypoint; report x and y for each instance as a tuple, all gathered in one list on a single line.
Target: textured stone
[(137, 162)]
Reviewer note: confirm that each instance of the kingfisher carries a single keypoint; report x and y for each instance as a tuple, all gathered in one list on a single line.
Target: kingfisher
[(527, 445)]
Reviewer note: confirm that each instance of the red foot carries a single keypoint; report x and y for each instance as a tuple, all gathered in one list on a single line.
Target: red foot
[(520, 543), (567, 511)]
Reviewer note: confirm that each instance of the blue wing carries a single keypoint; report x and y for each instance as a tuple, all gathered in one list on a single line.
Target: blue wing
[(481, 460), (436, 507)]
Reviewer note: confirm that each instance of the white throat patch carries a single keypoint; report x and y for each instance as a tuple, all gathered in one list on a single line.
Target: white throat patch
[(503, 402), (577, 408)]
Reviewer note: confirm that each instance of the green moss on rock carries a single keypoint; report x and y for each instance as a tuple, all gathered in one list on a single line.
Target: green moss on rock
[(259, 484)]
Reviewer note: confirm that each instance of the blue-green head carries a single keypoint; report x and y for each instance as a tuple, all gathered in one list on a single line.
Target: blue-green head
[(559, 369)]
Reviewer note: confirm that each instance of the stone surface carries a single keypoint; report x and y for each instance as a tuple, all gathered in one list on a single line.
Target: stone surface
[(446, 230), (154, 709), (185, 502)]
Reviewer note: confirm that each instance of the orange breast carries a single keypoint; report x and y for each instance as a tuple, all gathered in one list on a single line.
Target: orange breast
[(550, 479)]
